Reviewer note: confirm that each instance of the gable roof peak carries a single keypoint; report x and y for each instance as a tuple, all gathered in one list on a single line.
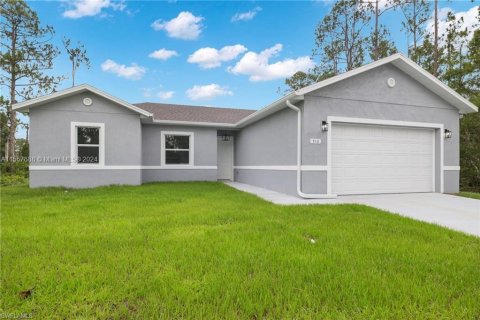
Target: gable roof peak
[(25, 106), (412, 69)]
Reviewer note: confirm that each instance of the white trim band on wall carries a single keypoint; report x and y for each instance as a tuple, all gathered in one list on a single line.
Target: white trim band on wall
[(451, 168), (385, 122), (283, 168), (167, 167)]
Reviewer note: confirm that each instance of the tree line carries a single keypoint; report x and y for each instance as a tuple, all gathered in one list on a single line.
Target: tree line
[(26, 62), (353, 34)]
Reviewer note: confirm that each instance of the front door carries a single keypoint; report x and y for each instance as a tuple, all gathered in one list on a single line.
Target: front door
[(224, 159)]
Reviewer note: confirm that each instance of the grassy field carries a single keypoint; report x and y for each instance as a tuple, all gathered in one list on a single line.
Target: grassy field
[(204, 250), (473, 195)]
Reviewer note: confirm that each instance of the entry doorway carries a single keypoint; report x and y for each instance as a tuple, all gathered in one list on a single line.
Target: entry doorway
[(225, 157)]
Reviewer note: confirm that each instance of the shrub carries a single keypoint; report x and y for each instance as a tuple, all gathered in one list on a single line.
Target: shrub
[(19, 176), (470, 153)]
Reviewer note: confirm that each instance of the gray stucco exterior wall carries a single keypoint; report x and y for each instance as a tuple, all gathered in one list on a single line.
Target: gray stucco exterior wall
[(271, 141), (129, 144), (205, 144), (277, 180), (205, 154), (161, 175), (84, 178), (268, 142), (50, 138)]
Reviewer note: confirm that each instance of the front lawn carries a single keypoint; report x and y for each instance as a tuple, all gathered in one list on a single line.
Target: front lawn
[(205, 251), (473, 195)]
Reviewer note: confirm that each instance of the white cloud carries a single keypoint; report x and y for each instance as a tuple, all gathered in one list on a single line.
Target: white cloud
[(163, 54), (185, 26), (157, 92), (209, 58), (89, 8), (132, 72), (147, 92), (382, 4), (257, 66), (118, 5), (165, 95), (326, 3), (470, 19), (245, 16), (443, 13), (207, 92)]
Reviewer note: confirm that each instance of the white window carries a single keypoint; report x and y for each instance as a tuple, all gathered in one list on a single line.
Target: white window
[(177, 148), (87, 143)]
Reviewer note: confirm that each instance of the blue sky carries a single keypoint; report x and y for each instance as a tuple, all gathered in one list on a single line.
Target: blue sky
[(120, 36)]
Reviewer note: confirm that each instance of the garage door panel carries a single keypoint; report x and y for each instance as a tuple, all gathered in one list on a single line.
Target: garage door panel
[(381, 184), (378, 173), (381, 159)]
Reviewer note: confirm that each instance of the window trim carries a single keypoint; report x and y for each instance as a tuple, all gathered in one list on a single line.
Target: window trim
[(190, 150), (74, 143)]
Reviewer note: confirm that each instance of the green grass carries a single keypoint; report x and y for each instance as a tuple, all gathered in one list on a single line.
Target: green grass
[(473, 195), (206, 251)]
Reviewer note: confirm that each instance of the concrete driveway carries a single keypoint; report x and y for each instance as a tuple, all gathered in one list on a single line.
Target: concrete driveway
[(457, 213)]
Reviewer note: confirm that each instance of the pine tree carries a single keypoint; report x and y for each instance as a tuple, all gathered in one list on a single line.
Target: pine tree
[(470, 124), (25, 61), (416, 14), (340, 43), (77, 56), (380, 45), (340, 36)]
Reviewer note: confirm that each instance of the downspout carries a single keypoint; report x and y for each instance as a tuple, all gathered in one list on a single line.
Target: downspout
[(299, 158)]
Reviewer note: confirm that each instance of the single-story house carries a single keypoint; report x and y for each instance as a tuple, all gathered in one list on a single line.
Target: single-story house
[(386, 127)]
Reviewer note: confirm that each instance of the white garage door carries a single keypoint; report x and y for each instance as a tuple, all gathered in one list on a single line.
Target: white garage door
[(369, 159)]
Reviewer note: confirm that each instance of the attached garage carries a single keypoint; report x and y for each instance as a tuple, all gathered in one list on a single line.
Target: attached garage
[(370, 159), (384, 128)]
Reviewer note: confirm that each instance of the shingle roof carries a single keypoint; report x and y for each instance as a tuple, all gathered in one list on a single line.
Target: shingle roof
[(176, 112)]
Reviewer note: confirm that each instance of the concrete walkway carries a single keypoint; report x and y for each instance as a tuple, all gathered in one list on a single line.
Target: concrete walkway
[(457, 213)]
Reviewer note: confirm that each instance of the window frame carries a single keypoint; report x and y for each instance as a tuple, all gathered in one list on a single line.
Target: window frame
[(74, 143), (190, 149)]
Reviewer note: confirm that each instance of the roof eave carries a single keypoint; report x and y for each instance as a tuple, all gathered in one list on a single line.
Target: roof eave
[(270, 109), (348, 74), (25, 106), (438, 87), (194, 123)]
